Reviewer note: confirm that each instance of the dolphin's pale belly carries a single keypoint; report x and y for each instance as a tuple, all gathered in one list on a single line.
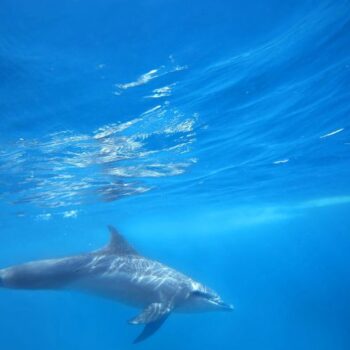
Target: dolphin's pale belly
[(133, 280)]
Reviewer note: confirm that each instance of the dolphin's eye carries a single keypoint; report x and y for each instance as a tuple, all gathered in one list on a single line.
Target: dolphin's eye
[(200, 294)]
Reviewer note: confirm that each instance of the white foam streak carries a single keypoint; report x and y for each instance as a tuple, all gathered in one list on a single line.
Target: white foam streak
[(141, 80), (145, 78), (111, 129), (332, 133), (164, 91), (281, 161)]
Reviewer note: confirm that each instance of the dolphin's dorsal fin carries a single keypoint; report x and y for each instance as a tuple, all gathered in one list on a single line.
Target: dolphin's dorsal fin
[(117, 244)]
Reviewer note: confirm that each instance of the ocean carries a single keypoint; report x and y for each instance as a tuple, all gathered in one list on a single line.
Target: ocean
[(215, 136)]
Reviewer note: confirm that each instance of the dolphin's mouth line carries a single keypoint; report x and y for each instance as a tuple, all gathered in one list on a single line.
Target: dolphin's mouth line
[(222, 305)]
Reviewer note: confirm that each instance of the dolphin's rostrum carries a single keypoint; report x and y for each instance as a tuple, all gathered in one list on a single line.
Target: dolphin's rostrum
[(117, 271)]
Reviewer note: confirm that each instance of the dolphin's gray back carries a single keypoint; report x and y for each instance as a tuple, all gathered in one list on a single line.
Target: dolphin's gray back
[(44, 274)]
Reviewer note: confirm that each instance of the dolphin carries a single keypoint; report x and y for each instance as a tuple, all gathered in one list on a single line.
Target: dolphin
[(119, 272)]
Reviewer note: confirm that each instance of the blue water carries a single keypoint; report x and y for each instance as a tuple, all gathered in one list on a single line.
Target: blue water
[(214, 135)]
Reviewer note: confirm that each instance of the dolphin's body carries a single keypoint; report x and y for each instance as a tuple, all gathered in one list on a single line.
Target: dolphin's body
[(119, 272)]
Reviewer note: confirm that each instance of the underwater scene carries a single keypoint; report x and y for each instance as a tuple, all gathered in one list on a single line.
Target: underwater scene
[(175, 174)]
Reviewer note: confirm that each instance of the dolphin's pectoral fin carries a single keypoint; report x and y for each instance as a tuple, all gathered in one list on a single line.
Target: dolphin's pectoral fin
[(150, 329), (153, 316), (152, 313)]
